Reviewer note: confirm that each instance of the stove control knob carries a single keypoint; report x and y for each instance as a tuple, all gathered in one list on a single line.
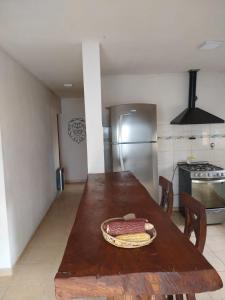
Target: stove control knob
[(199, 174), (218, 174), (209, 174), (222, 174)]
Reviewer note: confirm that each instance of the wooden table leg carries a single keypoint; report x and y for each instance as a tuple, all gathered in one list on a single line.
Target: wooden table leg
[(129, 297), (179, 297), (190, 297)]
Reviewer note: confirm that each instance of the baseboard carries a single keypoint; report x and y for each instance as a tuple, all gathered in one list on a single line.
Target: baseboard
[(75, 181), (6, 272)]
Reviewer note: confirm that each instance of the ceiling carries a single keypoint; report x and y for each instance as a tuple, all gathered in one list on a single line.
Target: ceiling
[(136, 36)]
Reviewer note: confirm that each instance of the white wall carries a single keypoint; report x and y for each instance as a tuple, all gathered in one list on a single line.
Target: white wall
[(170, 93), (73, 154), (5, 259), (28, 123)]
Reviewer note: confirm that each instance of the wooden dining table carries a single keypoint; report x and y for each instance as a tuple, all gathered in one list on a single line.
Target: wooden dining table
[(91, 267)]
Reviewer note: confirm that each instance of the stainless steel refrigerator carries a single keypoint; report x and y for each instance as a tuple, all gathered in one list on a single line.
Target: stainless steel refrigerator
[(131, 143)]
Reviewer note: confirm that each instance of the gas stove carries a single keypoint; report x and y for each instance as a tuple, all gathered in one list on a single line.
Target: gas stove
[(206, 183), (202, 170)]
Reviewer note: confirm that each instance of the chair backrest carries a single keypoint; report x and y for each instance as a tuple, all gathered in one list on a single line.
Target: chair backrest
[(167, 195), (195, 220)]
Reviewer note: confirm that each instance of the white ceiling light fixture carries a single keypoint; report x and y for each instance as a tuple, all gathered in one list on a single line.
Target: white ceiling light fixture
[(68, 85), (209, 45)]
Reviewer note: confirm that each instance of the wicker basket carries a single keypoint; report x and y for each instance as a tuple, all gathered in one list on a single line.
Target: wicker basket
[(124, 244)]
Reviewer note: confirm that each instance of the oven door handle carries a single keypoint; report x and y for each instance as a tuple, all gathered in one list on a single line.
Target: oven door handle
[(209, 181), (215, 210)]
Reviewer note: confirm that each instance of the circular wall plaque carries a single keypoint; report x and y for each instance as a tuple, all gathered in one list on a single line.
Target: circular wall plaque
[(77, 129)]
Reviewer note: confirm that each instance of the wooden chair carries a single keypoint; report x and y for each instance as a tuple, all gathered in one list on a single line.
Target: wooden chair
[(167, 195), (195, 222), (166, 202)]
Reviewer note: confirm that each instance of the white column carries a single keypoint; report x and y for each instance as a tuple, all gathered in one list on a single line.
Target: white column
[(93, 106)]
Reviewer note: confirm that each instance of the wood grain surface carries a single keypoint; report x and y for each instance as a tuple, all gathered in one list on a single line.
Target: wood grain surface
[(92, 267)]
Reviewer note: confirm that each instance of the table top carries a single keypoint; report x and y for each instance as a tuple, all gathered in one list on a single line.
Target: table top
[(93, 267)]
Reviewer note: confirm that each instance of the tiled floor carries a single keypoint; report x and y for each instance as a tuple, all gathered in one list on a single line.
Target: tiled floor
[(34, 272), (214, 252)]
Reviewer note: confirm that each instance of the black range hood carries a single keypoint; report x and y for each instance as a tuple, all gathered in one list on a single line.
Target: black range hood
[(192, 114)]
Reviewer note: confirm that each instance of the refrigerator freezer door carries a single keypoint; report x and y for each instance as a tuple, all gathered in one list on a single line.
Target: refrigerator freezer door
[(141, 160), (133, 123)]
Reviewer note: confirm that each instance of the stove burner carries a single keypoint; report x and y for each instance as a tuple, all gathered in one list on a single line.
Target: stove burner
[(207, 167), (200, 167), (205, 170)]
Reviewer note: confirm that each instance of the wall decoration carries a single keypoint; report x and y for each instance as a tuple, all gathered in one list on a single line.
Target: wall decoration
[(77, 130)]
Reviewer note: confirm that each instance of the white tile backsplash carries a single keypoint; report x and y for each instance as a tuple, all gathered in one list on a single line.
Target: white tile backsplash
[(165, 171), (181, 155), (202, 154), (202, 129), (165, 157), (200, 143), (181, 129), (219, 143), (165, 145), (181, 144), (217, 129), (217, 155), (174, 145)]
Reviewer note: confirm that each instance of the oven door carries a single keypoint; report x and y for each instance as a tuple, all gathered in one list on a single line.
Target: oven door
[(211, 192)]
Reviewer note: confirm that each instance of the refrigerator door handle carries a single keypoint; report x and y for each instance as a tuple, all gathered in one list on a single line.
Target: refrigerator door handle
[(121, 157), (120, 143), (130, 143)]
